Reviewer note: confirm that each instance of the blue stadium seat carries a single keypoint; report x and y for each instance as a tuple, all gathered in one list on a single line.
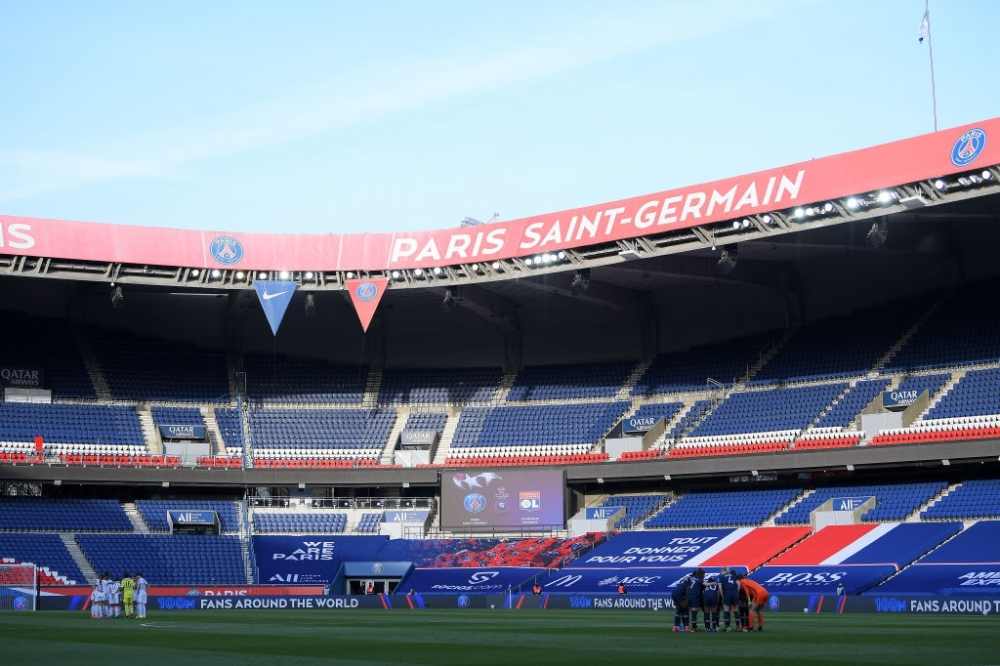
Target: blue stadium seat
[(972, 499), (536, 425), (62, 515), (723, 509), (154, 512), (44, 550), (560, 382), (297, 380), (637, 507), (688, 370), (167, 560), (438, 386), (70, 424), (769, 410), (300, 523), (892, 501)]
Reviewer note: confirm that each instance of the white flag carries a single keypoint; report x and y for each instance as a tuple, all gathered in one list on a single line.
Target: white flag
[(925, 27)]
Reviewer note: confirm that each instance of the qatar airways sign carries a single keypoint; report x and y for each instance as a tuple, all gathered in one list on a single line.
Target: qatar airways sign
[(601, 224)]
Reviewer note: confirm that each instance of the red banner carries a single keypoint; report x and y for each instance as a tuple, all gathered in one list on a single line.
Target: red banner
[(920, 158), (366, 294)]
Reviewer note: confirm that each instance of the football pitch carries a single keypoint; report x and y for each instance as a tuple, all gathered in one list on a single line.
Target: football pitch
[(484, 637)]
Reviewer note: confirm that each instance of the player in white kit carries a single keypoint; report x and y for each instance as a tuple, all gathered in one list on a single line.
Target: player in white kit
[(97, 600), (140, 596), (115, 595)]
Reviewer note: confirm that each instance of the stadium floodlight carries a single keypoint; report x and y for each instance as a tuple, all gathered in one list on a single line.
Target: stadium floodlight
[(736, 225), (767, 219), (562, 255), (987, 174), (885, 197), (810, 211), (216, 273), (350, 275), (396, 275), (497, 265), (828, 208), (853, 203), (284, 275), (746, 222), (310, 275), (940, 184), (419, 272), (528, 261), (799, 214), (240, 275), (438, 270), (475, 267), (261, 276), (195, 272)]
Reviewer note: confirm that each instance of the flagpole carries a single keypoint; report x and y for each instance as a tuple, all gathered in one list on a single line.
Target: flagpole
[(930, 53)]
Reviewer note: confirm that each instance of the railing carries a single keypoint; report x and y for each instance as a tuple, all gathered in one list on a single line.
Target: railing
[(376, 503)]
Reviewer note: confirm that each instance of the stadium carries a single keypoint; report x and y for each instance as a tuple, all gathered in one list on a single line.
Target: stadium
[(792, 374)]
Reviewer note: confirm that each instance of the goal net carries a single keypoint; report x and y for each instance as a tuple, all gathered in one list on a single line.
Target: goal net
[(18, 587)]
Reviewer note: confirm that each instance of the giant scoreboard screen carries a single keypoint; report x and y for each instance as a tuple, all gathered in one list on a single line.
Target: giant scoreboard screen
[(503, 499)]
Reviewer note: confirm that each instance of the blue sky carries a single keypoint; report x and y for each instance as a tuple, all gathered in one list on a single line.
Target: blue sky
[(335, 117)]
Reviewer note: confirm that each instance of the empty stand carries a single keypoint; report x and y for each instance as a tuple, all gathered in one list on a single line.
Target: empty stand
[(438, 386), (66, 515), (44, 550), (79, 425), (282, 379), (722, 508), (976, 394), (772, 410), (561, 382), (318, 433), (689, 370), (848, 408), (973, 499), (325, 522), (154, 512), (167, 560), (892, 501), (637, 507), (369, 523)]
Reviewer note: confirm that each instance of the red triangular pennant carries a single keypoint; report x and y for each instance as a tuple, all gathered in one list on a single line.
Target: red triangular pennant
[(366, 293)]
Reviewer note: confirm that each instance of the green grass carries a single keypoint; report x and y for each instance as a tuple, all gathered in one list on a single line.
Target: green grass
[(484, 638)]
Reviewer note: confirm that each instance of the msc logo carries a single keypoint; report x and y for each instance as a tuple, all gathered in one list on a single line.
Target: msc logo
[(226, 250), (366, 291), (463, 601), (481, 577), (475, 503), (968, 147)]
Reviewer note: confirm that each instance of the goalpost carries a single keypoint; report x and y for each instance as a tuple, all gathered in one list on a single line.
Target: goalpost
[(18, 587)]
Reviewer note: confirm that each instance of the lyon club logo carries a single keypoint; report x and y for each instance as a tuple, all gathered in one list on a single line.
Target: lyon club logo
[(968, 147), (226, 250), (366, 291), (475, 503)]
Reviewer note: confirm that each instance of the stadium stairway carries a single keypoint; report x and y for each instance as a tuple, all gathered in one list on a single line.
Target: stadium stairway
[(212, 428), (447, 436), (81, 561), (915, 516), (387, 457), (134, 517), (148, 426), (373, 386), (97, 378), (633, 378), (788, 507)]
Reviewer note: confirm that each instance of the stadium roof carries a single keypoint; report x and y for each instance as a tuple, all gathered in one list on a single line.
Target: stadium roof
[(946, 166)]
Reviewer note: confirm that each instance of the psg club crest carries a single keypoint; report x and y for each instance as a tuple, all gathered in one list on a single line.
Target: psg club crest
[(968, 147), (475, 503), (226, 250), (366, 291)]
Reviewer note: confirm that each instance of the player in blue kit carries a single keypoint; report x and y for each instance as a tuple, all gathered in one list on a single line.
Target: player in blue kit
[(730, 588), (711, 597), (694, 598), (679, 596)]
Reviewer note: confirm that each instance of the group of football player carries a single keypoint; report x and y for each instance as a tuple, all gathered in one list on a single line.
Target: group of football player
[(112, 598), (737, 599)]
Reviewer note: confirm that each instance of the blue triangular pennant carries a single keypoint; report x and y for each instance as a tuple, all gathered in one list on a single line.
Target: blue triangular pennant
[(274, 297)]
